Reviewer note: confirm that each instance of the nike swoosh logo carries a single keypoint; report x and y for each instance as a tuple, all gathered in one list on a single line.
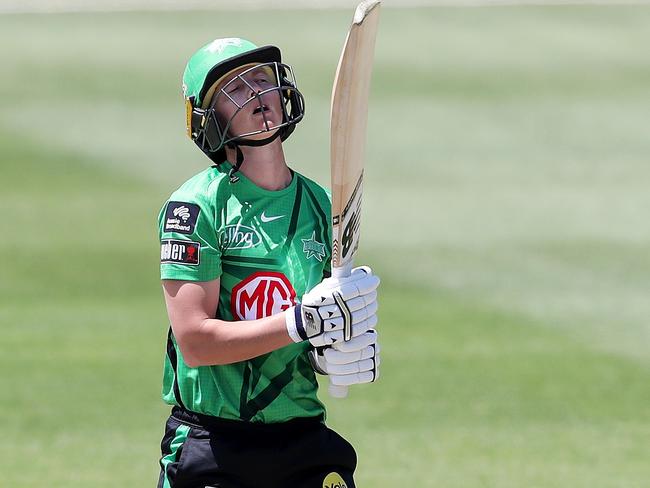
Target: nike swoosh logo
[(264, 218)]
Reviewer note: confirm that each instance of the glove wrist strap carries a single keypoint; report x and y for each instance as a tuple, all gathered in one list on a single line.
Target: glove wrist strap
[(293, 317)]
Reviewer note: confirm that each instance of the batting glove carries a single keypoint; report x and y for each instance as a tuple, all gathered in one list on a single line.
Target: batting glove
[(332, 305), (349, 363)]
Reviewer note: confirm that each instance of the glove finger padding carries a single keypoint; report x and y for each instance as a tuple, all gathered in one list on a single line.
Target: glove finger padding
[(335, 309), (336, 323), (355, 285), (356, 372), (354, 304), (335, 337), (351, 368), (354, 379), (358, 343), (334, 356)]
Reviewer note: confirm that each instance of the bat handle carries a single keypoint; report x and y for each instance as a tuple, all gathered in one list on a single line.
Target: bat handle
[(343, 271), (337, 391)]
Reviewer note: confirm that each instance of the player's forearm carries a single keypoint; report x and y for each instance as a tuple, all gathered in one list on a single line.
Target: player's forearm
[(215, 342)]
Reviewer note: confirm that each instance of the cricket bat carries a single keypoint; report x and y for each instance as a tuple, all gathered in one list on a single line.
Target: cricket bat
[(348, 120)]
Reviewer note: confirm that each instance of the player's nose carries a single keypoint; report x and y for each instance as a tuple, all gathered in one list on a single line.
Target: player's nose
[(254, 88)]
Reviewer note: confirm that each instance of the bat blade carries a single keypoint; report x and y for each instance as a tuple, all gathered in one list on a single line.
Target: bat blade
[(349, 115), (348, 121)]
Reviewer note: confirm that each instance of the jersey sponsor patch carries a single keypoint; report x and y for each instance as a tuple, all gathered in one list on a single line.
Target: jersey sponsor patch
[(260, 295), (238, 236), (182, 252), (181, 217), (334, 480)]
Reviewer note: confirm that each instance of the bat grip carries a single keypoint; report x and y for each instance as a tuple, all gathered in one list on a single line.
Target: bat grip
[(337, 391), (343, 271)]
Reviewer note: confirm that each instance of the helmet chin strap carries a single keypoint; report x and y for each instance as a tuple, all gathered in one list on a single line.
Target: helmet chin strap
[(240, 155)]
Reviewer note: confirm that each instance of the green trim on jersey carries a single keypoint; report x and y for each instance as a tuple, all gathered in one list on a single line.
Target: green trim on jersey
[(180, 436), (267, 248)]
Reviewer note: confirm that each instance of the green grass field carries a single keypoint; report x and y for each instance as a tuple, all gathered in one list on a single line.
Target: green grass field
[(506, 211)]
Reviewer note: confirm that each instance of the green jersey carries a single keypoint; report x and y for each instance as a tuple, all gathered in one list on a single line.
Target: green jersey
[(267, 247)]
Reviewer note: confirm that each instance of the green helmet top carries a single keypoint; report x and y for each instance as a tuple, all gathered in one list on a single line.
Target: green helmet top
[(216, 59)]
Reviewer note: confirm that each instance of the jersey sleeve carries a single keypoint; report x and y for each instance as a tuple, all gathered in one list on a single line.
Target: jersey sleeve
[(189, 248)]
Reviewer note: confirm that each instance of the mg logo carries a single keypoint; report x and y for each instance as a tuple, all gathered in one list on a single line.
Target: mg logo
[(261, 294)]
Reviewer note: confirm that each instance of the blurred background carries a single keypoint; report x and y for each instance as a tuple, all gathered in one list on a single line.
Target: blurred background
[(506, 210)]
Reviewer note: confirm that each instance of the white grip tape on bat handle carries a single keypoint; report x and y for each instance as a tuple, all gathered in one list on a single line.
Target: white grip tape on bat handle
[(343, 271), (337, 391)]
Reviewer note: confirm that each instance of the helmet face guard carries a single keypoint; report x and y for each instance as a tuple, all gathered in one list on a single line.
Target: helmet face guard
[(211, 132)]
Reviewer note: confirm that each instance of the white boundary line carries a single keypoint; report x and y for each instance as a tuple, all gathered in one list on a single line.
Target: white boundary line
[(70, 6)]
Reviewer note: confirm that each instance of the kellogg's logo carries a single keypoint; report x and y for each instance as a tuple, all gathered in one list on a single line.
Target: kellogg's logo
[(239, 236), (334, 480), (261, 294)]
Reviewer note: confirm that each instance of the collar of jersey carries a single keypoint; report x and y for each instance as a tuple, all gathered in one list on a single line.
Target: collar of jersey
[(249, 185)]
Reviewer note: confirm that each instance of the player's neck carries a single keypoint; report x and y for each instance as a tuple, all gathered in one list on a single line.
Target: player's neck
[(264, 165)]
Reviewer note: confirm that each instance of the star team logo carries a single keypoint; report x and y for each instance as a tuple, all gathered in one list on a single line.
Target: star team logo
[(260, 295), (312, 248)]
